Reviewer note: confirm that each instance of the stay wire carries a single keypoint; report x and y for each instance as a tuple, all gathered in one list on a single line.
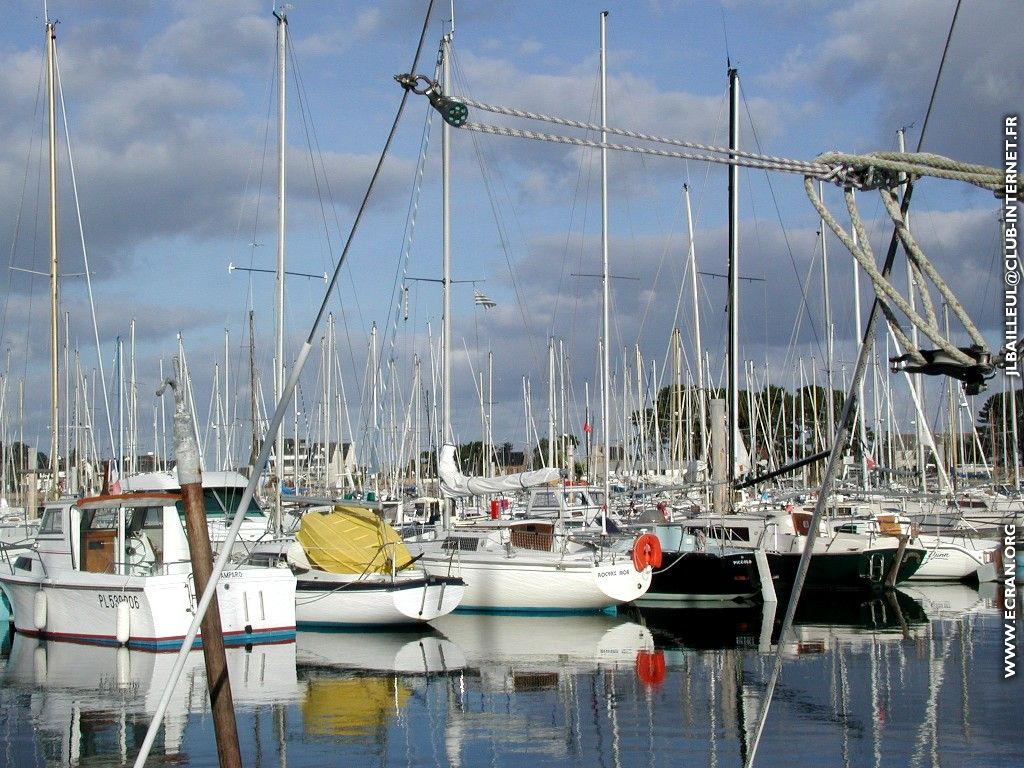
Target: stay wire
[(243, 504)]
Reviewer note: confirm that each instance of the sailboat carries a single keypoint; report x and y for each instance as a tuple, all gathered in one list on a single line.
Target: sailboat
[(353, 570), (532, 564)]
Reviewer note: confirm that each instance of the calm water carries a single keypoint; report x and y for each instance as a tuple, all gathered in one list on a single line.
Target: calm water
[(914, 680)]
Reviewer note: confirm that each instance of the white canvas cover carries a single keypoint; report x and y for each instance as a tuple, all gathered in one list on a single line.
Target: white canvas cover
[(454, 484)]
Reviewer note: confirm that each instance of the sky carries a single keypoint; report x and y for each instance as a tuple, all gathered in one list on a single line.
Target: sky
[(170, 110)]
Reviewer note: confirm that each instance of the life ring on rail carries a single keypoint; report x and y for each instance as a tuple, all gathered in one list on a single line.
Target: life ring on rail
[(647, 552)]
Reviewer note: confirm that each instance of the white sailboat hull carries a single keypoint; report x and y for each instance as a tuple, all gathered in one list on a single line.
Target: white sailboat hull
[(256, 605), (540, 582), (953, 560), (329, 600)]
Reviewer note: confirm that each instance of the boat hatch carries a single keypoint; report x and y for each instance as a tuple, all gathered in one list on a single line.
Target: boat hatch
[(461, 543)]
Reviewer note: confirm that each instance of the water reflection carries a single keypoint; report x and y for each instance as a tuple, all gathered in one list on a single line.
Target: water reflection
[(357, 683), (818, 617), (88, 701), (914, 677)]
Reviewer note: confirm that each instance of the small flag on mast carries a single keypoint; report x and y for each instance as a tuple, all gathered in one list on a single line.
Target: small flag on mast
[(482, 300)]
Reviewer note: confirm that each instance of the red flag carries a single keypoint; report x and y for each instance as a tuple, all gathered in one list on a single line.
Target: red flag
[(586, 426)]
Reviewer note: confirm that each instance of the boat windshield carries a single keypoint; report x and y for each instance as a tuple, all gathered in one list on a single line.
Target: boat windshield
[(221, 502)]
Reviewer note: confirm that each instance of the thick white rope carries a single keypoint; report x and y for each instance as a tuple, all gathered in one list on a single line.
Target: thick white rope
[(862, 171), (922, 263), (792, 166), (812, 167), (861, 251)]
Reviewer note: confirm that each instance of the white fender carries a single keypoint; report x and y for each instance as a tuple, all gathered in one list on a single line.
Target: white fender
[(124, 620)]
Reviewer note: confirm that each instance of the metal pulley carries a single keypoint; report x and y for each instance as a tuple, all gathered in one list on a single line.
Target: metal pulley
[(455, 113)]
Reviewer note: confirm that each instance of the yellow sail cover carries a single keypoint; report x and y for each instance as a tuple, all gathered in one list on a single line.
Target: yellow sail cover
[(351, 540)]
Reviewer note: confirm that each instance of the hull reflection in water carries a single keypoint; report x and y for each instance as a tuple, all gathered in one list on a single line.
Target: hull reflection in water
[(416, 651), (914, 678), (357, 682), (89, 701), (845, 614)]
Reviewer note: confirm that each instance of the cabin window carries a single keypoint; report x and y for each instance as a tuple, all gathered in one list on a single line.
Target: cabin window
[(102, 519), (151, 518), (724, 533), (53, 521), (544, 499), (575, 499), (23, 563)]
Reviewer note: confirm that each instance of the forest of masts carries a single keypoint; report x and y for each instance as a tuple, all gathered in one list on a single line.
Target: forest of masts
[(659, 424)]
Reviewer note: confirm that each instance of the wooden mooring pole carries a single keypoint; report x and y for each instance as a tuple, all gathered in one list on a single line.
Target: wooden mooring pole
[(190, 479)]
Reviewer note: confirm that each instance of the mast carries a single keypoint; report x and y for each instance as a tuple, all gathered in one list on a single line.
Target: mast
[(551, 402), (861, 428), (698, 347), (51, 46), (68, 482), (734, 266), (418, 428), (253, 404), (228, 420), (282, 27), (605, 327), (446, 251), (328, 360)]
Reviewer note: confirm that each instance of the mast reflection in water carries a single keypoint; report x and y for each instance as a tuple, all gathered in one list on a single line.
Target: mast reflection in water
[(911, 678)]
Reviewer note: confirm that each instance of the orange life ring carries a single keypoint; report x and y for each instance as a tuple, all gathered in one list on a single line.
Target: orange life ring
[(650, 667), (647, 551)]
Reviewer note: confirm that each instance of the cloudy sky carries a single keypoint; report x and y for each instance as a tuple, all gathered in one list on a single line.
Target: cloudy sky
[(170, 111)]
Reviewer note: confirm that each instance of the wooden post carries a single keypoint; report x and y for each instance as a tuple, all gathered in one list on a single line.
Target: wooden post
[(190, 479), (897, 561)]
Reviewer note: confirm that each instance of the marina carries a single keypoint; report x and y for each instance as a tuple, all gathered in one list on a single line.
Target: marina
[(534, 462), (913, 681)]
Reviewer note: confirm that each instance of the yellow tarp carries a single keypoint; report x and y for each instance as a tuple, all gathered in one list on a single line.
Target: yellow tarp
[(351, 540)]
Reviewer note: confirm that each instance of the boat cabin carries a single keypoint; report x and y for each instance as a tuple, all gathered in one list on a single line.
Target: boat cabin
[(571, 503), (132, 534)]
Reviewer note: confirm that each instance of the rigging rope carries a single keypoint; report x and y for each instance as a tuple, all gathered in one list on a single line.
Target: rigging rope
[(885, 171), (866, 171)]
